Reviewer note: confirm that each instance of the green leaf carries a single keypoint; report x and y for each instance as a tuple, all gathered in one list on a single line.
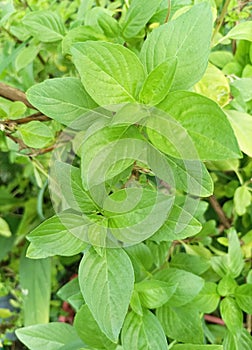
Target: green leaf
[(241, 340), (110, 73), (192, 263), (242, 199), (62, 99), (4, 228), (35, 280), (196, 347), (89, 331), (55, 236), (231, 314), (137, 16), (178, 39), (36, 134), (188, 285), (242, 31), (207, 300), (179, 224), (195, 112), (242, 125), (45, 26), (243, 297), (154, 293), (158, 83), (51, 336), (183, 324), (111, 276), (143, 333), (214, 85)]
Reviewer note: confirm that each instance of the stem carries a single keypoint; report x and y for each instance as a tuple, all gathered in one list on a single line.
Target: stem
[(214, 319), (14, 94), (220, 20), (219, 211), (168, 11)]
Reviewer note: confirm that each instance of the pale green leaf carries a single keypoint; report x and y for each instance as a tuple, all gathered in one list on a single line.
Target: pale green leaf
[(192, 263), (143, 333), (205, 122), (243, 297), (178, 39), (111, 276), (242, 199), (35, 280), (188, 285), (4, 228), (26, 56), (137, 16), (55, 236), (154, 293), (214, 85), (183, 324), (241, 340), (231, 314), (45, 26), (110, 73), (158, 83), (242, 124), (71, 293), (51, 336), (196, 347), (62, 99), (242, 31), (89, 331), (207, 300), (36, 134)]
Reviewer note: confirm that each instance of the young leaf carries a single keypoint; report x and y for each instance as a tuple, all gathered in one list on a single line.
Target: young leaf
[(143, 333), (4, 228), (205, 122), (227, 286), (36, 134), (188, 285), (26, 56), (241, 123), (137, 16), (62, 99), (51, 336), (158, 83), (54, 236), (35, 280), (231, 314), (179, 38), (182, 324), (243, 297), (89, 331), (111, 276), (110, 73), (45, 26)]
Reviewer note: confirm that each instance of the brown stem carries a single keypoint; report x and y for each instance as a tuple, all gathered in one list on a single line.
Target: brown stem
[(14, 94), (42, 151), (17, 141), (214, 319), (219, 211), (220, 20), (36, 116), (168, 11)]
